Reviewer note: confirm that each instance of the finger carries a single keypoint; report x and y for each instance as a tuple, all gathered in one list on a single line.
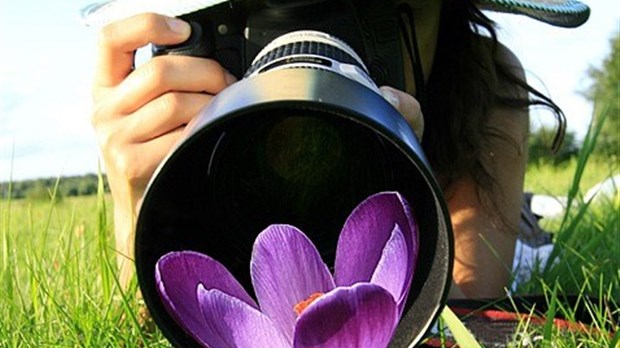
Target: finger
[(137, 162), (168, 74), (408, 106), (118, 42), (156, 150), (163, 115)]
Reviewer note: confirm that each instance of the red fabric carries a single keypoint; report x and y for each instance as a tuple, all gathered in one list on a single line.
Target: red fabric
[(496, 328)]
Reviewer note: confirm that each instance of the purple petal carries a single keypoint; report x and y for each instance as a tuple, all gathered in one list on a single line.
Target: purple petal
[(230, 322), (363, 315), (391, 272), (178, 275), (365, 234), (286, 268)]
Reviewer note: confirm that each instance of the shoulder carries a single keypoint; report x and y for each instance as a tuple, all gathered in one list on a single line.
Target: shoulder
[(498, 51), (509, 72), (505, 56), (511, 123)]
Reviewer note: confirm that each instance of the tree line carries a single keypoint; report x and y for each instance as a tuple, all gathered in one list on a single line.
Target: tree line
[(45, 188)]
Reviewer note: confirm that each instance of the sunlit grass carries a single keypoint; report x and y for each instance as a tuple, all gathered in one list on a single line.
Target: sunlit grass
[(557, 180), (59, 285), (585, 260)]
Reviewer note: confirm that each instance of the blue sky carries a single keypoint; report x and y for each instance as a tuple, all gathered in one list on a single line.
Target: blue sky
[(46, 65), (47, 59)]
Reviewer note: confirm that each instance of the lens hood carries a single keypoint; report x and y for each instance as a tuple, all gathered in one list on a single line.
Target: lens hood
[(296, 146)]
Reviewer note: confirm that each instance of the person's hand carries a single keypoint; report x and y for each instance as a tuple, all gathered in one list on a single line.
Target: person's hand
[(139, 114), (408, 107)]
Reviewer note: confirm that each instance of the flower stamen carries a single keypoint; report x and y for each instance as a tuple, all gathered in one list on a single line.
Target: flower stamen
[(303, 304)]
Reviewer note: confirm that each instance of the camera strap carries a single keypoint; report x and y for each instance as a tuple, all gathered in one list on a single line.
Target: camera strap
[(406, 23)]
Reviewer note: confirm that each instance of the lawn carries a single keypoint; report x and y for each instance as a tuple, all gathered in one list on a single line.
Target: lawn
[(58, 283)]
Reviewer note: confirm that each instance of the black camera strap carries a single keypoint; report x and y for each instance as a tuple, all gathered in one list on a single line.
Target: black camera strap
[(406, 23)]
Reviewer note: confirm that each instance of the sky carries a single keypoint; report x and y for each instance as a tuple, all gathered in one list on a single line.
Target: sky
[(47, 62)]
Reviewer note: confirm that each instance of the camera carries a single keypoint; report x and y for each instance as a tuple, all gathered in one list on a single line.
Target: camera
[(301, 139), (235, 32)]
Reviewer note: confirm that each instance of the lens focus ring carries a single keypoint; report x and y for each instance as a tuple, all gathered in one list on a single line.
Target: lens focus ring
[(310, 52)]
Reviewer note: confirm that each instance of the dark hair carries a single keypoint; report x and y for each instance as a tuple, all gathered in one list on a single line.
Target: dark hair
[(462, 88)]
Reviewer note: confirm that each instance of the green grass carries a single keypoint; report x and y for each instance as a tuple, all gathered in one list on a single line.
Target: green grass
[(586, 254), (585, 260), (59, 289), (58, 281), (556, 181), (587, 237)]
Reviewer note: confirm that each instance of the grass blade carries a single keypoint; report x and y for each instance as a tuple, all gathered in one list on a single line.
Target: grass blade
[(462, 336)]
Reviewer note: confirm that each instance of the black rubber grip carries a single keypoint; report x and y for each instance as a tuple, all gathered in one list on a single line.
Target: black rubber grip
[(194, 46)]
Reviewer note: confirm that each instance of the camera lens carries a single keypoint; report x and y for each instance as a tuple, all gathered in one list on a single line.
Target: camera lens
[(302, 140)]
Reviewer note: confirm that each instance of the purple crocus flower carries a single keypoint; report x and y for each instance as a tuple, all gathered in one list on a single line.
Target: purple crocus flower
[(300, 304)]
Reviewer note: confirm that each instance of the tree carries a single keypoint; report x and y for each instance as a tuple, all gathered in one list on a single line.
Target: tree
[(605, 95), (39, 191), (43, 188)]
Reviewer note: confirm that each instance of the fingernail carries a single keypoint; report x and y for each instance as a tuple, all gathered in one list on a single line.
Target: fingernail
[(178, 26), (390, 96), (230, 78)]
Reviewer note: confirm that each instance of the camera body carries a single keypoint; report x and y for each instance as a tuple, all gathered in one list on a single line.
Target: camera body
[(234, 32)]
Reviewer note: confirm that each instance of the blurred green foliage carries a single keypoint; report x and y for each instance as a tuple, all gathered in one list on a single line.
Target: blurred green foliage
[(605, 95), (46, 188)]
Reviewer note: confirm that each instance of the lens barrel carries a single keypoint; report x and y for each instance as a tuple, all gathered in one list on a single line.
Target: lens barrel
[(301, 142)]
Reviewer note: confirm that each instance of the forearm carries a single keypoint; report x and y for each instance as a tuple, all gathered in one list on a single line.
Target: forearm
[(483, 252), (486, 219), (125, 213)]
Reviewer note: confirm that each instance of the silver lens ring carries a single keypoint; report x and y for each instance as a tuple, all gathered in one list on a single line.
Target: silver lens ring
[(311, 50)]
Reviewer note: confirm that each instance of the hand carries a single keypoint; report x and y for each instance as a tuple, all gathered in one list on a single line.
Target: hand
[(408, 107), (141, 113)]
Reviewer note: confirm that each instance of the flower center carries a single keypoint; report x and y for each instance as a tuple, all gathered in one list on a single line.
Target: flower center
[(303, 304)]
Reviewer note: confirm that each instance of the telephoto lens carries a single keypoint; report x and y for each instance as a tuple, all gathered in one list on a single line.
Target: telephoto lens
[(301, 140)]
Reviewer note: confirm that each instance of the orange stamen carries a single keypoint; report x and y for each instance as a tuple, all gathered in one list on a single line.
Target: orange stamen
[(303, 304)]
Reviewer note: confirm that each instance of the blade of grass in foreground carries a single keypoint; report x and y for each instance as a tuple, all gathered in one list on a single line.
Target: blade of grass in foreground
[(462, 336), (568, 225), (102, 240), (551, 312), (5, 215)]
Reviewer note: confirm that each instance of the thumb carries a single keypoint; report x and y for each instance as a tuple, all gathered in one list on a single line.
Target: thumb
[(408, 106)]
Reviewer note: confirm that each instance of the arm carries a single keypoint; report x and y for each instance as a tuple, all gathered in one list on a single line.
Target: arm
[(140, 114), (486, 222)]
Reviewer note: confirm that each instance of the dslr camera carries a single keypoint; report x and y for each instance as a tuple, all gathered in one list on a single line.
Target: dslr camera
[(240, 34), (301, 139)]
